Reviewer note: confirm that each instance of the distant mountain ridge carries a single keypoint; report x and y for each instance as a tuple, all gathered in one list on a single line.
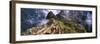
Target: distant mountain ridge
[(61, 23), (57, 24)]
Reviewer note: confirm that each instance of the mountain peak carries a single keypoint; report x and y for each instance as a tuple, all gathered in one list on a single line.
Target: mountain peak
[(50, 15)]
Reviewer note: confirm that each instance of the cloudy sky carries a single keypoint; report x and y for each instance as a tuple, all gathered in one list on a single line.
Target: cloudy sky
[(30, 16)]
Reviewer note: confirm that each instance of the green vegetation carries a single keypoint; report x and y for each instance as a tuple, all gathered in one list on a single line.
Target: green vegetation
[(56, 25)]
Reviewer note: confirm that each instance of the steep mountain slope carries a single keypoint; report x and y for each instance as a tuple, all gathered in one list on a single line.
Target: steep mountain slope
[(56, 25)]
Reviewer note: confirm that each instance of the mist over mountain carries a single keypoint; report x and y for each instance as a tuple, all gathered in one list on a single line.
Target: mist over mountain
[(38, 17), (83, 18), (31, 17)]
